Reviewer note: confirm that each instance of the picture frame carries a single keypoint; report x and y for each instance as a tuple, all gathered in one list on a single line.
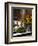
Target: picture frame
[(20, 22)]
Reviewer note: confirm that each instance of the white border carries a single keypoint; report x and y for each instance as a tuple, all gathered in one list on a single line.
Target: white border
[(26, 38)]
